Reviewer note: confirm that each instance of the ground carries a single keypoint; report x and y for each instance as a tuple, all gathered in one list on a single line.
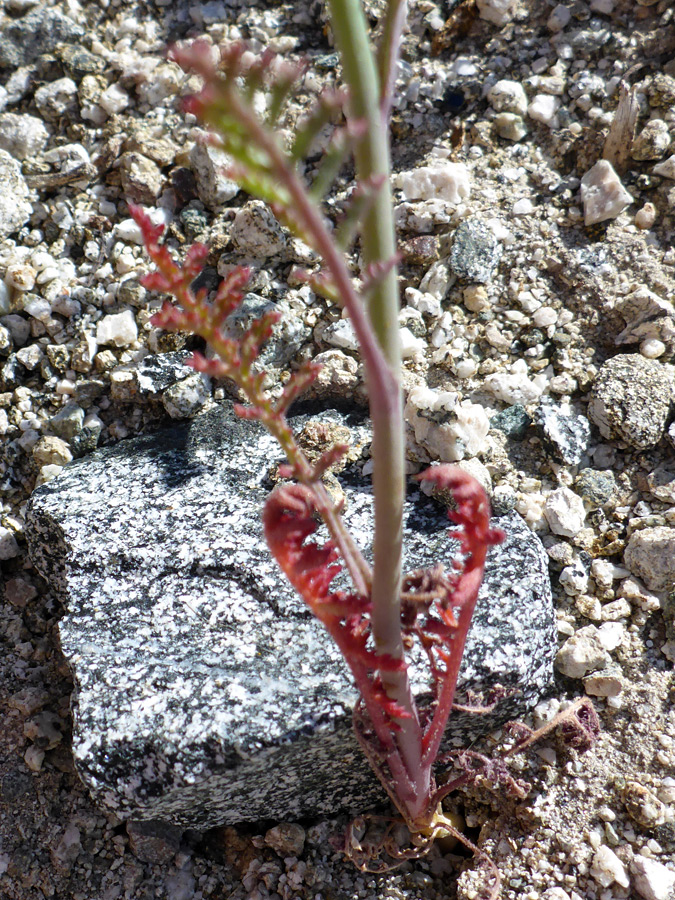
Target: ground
[(531, 303)]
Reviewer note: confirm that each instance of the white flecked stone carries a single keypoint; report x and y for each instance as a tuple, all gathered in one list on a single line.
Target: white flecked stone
[(607, 868), (602, 193), (201, 702), (508, 96), (652, 879), (564, 511), (118, 329), (442, 181)]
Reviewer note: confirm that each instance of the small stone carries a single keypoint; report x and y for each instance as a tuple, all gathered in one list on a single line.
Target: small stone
[(65, 851), (30, 357), (513, 387), (607, 868), (652, 879), (666, 168), (256, 232), (52, 451), (24, 39), (447, 429), (34, 757), (8, 545), (559, 18), (631, 400), (15, 208), (338, 375), (410, 345), (187, 397), (68, 421), (650, 556), (582, 653), (652, 348), (596, 487), (113, 99), (602, 193), (154, 842), (287, 839), (523, 207), (341, 334), (566, 435), (544, 108), (514, 422), (19, 592), (56, 98), (118, 329), (497, 11), (564, 512), (20, 276), (510, 126), (645, 217), (574, 578), (652, 142), (508, 96), (47, 474), (475, 251), (476, 298), (141, 178), (22, 135), (643, 806), (442, 181), (209, 165), (607, 683), (647, 316)]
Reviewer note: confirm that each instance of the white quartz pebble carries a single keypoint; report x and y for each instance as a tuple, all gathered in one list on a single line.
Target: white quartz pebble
[(118, 329), (443, 181), (602, 193)]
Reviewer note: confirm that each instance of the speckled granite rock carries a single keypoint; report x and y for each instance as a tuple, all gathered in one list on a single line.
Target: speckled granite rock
[(205, 693)]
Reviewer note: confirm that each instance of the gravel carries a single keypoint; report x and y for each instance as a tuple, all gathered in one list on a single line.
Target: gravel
[(572, 311)]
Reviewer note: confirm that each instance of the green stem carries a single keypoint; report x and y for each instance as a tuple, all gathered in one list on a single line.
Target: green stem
[(379, 245)]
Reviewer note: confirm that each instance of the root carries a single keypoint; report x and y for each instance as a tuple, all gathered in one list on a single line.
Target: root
[(391, 847)]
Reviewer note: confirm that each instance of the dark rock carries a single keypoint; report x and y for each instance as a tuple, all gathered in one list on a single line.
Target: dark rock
[(205, 691), (475, 251), (566, 435), (513, 422), (23, 40), (154, 842), (596, 487), (632, 400)]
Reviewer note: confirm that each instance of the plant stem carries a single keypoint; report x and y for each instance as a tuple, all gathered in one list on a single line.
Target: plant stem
[(379, 245)]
